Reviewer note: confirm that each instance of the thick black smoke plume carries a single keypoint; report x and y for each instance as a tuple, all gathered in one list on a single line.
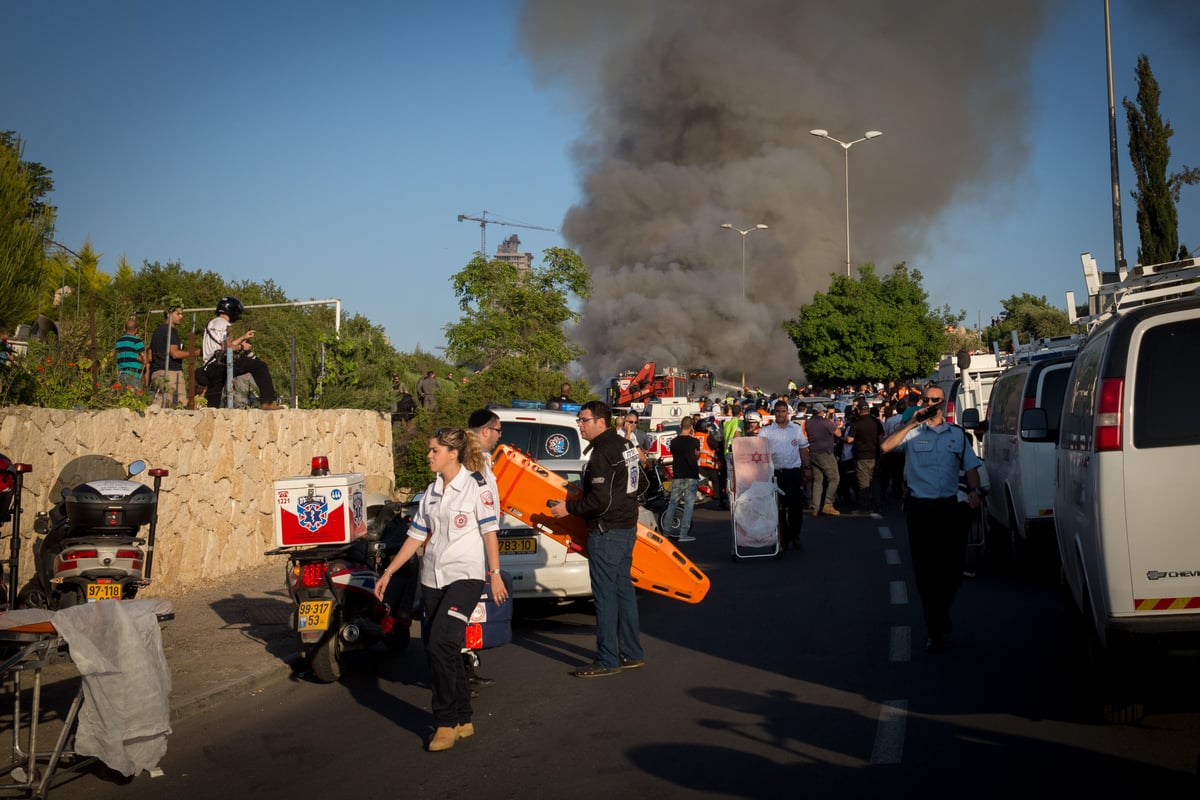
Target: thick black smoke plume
[(699, 113)]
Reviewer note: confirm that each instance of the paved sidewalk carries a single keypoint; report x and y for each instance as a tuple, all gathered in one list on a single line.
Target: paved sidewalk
[(229, 638)]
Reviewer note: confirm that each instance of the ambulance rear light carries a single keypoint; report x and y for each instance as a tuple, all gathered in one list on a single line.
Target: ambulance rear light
[(1108, 415)]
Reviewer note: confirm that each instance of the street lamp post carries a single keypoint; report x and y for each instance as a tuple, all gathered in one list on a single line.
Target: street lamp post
[(824, 134), (757, 227)]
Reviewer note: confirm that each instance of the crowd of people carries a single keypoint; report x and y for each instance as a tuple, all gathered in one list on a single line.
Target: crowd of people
[(846, 468)]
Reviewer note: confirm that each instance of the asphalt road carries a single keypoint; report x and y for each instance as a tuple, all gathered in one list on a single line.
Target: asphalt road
[(802, 676)]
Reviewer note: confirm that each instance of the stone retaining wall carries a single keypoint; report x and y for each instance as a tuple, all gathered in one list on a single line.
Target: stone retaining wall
[(215, 512)]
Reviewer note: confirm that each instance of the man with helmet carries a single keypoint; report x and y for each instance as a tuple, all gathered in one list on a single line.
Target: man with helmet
[(217, 338)]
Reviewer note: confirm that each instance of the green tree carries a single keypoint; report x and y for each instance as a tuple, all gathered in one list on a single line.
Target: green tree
[(1156, 193), (868, 328), (512, 314), (26, 222), (960, 338), (1032, 317)]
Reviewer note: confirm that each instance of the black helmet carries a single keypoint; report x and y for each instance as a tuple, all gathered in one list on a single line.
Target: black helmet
[(232, 307)]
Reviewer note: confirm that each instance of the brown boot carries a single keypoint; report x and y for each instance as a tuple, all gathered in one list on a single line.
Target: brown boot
[(443, 739), (830, 510), (464, 729)]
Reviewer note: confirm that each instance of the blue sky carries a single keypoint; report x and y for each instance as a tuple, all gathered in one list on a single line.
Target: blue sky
[(331, 147)]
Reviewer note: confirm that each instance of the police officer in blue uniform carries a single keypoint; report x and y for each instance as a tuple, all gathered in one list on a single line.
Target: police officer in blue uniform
[(936, 452)]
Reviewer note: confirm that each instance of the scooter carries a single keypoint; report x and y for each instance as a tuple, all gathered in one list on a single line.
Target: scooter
[(334, 590), (91, 548)]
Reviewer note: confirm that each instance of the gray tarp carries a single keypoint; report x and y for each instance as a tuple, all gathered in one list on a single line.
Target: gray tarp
[(117, 647)]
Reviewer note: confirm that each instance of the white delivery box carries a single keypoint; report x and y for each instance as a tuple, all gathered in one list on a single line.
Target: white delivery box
[(329, 509)]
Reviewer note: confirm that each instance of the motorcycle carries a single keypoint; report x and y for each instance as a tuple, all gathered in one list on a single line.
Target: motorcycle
[(91, 548), (11, 479), (333, 586)]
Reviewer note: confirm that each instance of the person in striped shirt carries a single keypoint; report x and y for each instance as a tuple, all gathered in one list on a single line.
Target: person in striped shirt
[(132, 355)]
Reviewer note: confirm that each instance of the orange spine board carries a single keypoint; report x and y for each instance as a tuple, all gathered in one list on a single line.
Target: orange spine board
[(526, 488)]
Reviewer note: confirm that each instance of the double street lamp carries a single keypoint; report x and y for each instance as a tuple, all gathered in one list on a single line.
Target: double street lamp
[(757, 227), (824, 134)]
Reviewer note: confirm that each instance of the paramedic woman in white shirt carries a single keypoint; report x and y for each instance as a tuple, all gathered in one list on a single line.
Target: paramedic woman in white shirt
[(457, 523)]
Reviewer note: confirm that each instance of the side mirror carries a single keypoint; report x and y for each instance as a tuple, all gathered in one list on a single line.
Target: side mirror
[(970, 419), (963, 358), (1034, 426)]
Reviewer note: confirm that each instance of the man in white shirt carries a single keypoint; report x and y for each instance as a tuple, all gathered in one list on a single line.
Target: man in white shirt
[(791, 460), (218, 338)]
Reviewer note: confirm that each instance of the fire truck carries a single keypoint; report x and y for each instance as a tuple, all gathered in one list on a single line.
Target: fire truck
[(637, 387)]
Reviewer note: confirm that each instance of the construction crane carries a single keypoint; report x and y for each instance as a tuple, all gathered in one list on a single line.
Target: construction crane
[(484, 222)]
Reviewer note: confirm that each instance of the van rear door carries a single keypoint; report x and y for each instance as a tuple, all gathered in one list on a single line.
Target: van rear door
[(1160, 449)]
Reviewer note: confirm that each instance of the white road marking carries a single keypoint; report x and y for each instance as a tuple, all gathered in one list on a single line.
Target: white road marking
[(901, 645), (889, 736), (885, 532), (891, 556), (899, 592)]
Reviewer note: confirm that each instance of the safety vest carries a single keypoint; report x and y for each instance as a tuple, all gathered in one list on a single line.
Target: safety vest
[(732, 427), (708, 459)]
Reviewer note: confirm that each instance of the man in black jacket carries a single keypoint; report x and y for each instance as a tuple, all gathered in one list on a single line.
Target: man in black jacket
[(609, 505)]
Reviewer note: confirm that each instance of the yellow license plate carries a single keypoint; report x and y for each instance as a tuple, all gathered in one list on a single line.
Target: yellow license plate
[(103, 591), (523, 545), (314, 615)]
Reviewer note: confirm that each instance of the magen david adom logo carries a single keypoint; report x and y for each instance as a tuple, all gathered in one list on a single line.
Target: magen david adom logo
[(557, 445)]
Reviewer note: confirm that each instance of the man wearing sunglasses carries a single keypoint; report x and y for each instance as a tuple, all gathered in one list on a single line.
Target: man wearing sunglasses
[(936, 453), (609, 506)]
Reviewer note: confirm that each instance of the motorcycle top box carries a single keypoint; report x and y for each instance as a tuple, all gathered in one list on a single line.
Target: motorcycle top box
[(113, 506), (326, 509)]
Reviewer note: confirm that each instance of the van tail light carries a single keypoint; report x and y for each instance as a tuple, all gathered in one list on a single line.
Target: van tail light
[(1108, 415), (950, 408), (1030, 402)]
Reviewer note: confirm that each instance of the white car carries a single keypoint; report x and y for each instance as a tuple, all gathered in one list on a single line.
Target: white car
[(539, 565)]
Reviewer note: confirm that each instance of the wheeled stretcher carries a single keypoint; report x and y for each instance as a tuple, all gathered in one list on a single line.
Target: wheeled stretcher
[(526, 488), (753, 499), (29, 643)]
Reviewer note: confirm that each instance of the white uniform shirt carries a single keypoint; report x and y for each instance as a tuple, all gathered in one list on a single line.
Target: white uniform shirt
[(786, 442), (452, 520)]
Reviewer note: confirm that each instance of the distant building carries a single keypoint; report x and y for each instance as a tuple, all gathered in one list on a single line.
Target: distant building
[(510, 251)]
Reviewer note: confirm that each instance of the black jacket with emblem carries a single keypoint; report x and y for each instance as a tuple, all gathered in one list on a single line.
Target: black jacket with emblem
[(609, 497)]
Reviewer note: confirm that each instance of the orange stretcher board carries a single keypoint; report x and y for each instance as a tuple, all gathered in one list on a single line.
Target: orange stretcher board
[(526, 487)]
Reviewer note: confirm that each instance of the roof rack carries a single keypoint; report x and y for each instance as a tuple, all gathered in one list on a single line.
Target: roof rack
[(1142, 285)]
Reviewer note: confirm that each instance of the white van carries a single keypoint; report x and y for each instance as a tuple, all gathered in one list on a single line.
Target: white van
[(969, 387), (540, 566), (1125, 490), (1019, 437)]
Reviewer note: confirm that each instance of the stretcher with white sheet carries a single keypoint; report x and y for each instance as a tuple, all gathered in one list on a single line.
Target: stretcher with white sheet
[(116, 646), (753, 499)]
